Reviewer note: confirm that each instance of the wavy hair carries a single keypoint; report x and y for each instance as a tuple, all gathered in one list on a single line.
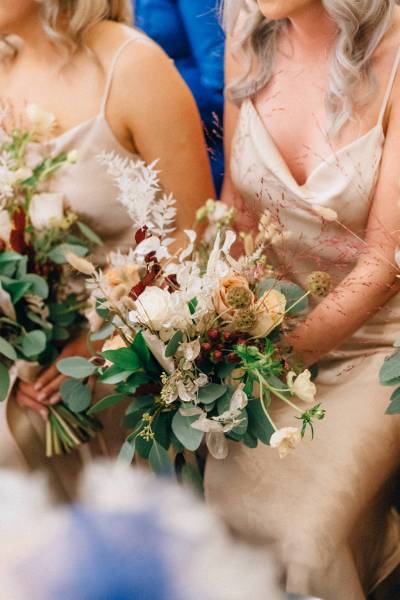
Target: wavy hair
[(361, 25), (67, 21)]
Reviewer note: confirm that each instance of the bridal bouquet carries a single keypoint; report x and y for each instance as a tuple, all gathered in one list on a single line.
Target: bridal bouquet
[(191, 336), (38, 312)]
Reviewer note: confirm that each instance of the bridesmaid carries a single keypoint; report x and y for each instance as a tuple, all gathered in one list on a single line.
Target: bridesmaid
[(110, 89), (313, 123)]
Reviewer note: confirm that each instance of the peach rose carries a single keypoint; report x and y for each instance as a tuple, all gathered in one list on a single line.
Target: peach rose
[(234, 294)]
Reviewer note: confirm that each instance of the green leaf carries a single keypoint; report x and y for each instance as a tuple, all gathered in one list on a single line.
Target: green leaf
[(38, 321), (6, 257), (173, 344), (4, 382), (162, 429), (60, 333), (225, 370), (183, 430), (211, 392), (159, 460), (76, 367), (124, 358), (76, 395), (32, 343), (292, 292), (106, 402), (57, 254), (114, 375), (17, 290), (103, 333), (7, 350), (394, 406), (127, 452), (258, 426), (39, 285), (146, 358), (143, 447), (89, 234), (250, 440), (134, 382), (390, 370)]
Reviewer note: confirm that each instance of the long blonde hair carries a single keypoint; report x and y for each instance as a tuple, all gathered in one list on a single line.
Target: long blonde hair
[(361, 26), (67, 21)]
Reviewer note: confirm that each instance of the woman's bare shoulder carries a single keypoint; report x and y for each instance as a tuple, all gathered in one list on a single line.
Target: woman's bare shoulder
[(108, 37)]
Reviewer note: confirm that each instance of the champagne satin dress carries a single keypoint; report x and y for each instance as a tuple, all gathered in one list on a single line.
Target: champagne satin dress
[(326, 507), (90, 191)]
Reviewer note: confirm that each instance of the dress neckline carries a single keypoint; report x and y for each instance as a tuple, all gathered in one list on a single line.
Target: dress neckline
[(333, 156)]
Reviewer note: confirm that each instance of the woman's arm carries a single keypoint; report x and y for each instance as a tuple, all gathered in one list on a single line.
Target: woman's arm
[(374, 279), (163, 121)]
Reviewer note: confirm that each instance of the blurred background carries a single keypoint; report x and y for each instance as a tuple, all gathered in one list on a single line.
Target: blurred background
[(190, 33)]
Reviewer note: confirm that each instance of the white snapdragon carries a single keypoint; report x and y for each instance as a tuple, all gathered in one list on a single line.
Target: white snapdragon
[(5, 225), (285, 439), (302, 386)]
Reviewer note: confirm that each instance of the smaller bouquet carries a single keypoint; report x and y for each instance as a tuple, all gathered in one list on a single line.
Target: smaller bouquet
[(192, 338), (38, 311)]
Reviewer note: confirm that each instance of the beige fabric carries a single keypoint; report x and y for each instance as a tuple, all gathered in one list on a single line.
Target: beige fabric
[(91, 193), (326, 507)]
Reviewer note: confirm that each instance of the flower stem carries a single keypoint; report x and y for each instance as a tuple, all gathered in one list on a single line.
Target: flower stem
[(274, 427)]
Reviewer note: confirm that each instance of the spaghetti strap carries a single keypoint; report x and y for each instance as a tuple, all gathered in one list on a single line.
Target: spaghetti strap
[(137, 38), (389, 86)]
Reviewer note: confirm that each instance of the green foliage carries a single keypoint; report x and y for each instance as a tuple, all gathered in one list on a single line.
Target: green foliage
[(173, 344), (76, 367), (4, 382), (159, 460), (76, 395), (189, 437)]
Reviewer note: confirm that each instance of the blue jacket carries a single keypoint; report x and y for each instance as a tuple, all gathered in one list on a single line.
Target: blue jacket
[(190, 33)]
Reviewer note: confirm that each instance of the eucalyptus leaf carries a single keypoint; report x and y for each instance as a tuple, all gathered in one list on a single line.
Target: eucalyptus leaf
[(114, 375), (127, 452), (6, 257), (189, 437), (211, 392), (89, 234), (76, 367), (76, 395), (159, 460), (17, 290), (4, 382), (7, 350), (173, 344), (57, 254), (103, 333), (390, 370), (39, 285), (32, 343)]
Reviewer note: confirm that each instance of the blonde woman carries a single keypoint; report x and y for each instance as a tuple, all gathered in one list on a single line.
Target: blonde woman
[(313, 131), (111, 89)]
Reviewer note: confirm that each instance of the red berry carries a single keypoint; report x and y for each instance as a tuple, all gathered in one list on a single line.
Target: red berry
[(217, 355), (228, 336), (213, 334), (233, 357), (242, 341), (206, 347), (219, 347)]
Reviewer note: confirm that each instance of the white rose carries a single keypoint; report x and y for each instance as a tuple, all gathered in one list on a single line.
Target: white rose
[(270, 313), (302, 386), (46, 210), (42, 122), (285, 439), (153, 308), (5, 225)]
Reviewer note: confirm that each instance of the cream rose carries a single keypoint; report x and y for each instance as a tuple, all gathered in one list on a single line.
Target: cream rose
[(46, 210), (302, 386), (5, 226), (285, 439), (270, 311), (153, 308)]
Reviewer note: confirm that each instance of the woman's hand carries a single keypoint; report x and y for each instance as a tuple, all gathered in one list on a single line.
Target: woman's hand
[(46, 390)]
